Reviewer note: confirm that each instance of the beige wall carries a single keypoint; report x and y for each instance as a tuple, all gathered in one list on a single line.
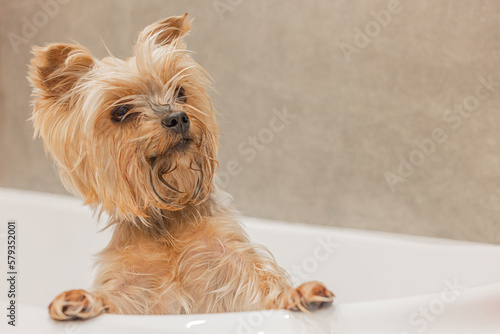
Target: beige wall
[(359, 104)]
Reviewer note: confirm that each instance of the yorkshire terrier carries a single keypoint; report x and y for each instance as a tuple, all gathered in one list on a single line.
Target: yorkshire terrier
[(137, 139)]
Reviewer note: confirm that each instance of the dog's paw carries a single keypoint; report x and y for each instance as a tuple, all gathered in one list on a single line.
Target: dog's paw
[(76, 304), (310, 296)]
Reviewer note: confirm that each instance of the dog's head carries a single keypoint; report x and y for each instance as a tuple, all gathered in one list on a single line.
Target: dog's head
[(133, 136)]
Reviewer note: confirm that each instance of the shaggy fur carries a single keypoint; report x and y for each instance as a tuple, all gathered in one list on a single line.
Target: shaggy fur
[(177, 246)]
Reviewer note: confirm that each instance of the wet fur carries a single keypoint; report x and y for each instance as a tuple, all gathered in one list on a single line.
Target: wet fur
[(177, 246)]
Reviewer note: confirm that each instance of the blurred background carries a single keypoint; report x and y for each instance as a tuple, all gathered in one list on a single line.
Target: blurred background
[(379, 115)]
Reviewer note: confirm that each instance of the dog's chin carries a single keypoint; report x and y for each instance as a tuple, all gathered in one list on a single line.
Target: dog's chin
[(177, 176), (182, 145), (178, 151)]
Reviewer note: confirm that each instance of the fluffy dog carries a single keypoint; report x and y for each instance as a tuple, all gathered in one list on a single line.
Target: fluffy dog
[(137, 139)]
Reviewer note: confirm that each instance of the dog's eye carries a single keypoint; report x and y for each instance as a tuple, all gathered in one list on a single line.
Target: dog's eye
[(181, 95), (120, 113)]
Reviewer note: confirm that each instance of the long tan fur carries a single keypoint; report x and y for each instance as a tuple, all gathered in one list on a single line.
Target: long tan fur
[(177, 246)]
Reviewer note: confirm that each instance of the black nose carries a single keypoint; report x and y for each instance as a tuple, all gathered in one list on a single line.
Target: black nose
[(177, 121)]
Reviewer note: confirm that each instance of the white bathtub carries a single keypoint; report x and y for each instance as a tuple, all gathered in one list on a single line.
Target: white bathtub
[(391, 284)]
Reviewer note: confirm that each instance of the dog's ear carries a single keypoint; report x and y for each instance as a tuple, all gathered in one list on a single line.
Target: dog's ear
[(166, 31), (56, 68)]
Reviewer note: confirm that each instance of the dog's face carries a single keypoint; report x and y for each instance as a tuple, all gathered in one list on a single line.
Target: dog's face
[(133, 136)]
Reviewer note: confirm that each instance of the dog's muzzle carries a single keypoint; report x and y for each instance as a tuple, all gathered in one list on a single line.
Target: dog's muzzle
[(177, 122)]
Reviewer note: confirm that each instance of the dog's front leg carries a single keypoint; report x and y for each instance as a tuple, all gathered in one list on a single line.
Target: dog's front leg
[(275, 289), (309, 296), (79, 304)]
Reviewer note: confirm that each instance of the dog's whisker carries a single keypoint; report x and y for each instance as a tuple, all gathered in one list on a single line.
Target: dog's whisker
[(196, 109), (158, 195), (160, 177)]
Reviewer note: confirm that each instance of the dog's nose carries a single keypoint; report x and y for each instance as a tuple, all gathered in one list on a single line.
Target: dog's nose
[(177, 121)]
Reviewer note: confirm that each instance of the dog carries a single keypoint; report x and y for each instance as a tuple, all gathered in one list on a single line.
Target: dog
[(137, 139)]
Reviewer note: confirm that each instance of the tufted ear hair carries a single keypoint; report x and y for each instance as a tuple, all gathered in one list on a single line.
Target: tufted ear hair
[(57, 67), (165, 31)]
